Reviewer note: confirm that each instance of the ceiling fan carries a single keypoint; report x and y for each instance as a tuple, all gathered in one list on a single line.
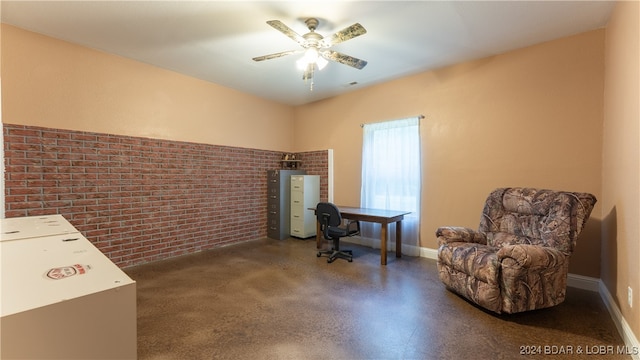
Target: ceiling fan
[(316, 47)]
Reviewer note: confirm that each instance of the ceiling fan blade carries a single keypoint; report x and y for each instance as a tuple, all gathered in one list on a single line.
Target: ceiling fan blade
[(343, 59), (343, 35), (274, 56), (280, 26)]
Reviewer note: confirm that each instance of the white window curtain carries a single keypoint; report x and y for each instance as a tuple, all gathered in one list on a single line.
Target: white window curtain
[(391, 178)]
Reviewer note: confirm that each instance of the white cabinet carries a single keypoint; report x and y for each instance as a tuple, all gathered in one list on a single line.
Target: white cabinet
[(60, 296), (305, 194)]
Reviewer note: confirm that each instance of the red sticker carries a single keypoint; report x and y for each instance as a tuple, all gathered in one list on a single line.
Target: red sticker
[(67, 271)]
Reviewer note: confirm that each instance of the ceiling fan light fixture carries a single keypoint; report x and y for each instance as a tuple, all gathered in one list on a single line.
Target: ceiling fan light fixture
[(302, 64), (311, 56), (321, 62)]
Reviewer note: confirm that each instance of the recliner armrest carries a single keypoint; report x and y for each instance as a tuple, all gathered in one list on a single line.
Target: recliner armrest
[(448, 234), (532, 256)]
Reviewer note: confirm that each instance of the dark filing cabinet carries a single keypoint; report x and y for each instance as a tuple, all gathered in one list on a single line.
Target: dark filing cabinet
[(279, 202)]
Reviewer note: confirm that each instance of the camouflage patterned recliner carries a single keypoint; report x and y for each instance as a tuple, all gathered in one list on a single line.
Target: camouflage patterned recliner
[(518, 259)]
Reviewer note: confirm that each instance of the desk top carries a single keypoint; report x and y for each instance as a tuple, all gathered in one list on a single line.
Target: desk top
[(347, 210), (371, 215)]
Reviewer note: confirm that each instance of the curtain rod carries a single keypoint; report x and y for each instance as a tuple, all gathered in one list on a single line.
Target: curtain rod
[(418, 116)]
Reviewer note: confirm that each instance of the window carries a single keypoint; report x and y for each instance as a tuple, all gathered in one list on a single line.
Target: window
[(391, 175)]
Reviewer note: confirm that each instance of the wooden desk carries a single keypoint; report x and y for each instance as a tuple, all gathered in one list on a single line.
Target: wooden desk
[(382, 217)]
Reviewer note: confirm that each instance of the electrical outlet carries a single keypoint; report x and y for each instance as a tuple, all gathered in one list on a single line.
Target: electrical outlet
[(630, 296)]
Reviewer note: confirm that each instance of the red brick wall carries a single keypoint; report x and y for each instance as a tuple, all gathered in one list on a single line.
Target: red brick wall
[(140, 199), (317, 163)]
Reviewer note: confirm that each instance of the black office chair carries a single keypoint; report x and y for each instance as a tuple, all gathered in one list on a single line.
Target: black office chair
[(332, 229)]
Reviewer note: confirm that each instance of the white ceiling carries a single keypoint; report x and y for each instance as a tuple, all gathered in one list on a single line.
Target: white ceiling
[(216, 40)]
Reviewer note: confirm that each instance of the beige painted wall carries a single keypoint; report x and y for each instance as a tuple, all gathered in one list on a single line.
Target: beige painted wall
[(531, 117), (52, 83), (621, 160)]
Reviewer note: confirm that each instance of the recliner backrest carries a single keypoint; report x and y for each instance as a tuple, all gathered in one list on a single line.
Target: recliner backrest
[(535, 216)]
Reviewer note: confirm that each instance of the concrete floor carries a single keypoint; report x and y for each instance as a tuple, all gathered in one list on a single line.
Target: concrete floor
[(274, 299)]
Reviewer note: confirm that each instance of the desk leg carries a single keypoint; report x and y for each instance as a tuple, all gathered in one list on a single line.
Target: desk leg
[(318, 236), (399, 239), (383, 244)]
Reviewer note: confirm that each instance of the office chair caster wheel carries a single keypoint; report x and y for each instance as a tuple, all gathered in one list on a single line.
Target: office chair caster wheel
[(350, 260), (318, 254)]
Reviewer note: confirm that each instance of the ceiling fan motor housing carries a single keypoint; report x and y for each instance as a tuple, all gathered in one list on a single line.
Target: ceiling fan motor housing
[(312, 37), (312, 23)]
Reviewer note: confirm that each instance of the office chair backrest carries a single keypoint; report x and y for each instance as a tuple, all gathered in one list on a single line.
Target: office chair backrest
[(328, 214)]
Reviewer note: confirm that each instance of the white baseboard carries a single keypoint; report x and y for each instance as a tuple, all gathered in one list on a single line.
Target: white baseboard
[(573, 280), (429, 253), (374, 243), (409, 250), (583, 282), (630, 339)]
